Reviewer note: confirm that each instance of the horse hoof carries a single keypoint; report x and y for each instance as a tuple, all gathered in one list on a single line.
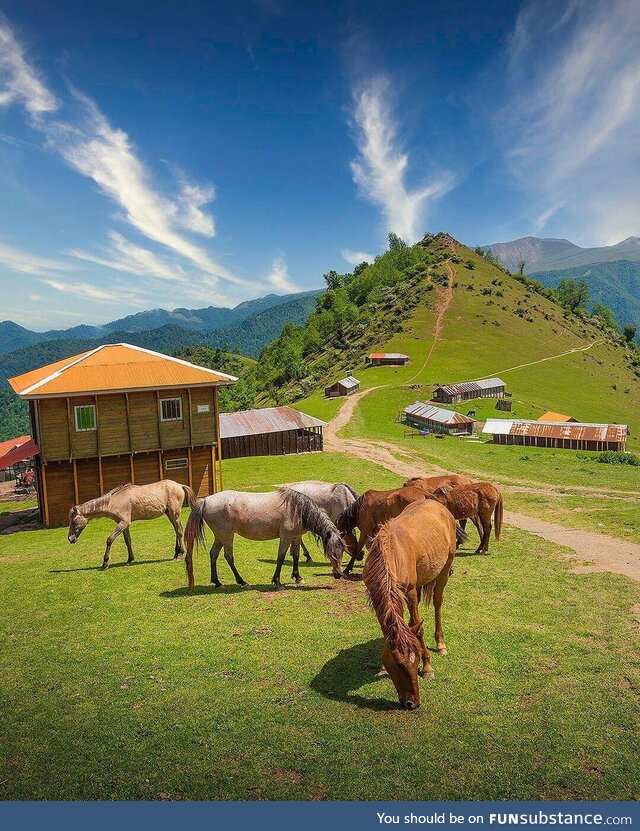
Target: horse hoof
[(216, 584), (442, 651), (299, 581), (104, 566), (428, 675), (129, 563), (382, 673)]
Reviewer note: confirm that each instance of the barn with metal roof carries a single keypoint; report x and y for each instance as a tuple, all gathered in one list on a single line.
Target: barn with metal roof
[(466, 390), (427, 417), (558, 434), (387, 359), (272, 431), (346, 386)]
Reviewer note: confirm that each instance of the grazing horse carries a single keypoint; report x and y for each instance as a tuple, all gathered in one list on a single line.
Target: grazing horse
[(332, 499), (128, 503), (284, 514), (477, 502), (368, 513), (414, 550)]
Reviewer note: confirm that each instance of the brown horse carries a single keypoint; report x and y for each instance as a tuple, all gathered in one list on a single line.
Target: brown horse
[(368, 513), (128, 503), (477, 502), (414, 550), (429, 484)]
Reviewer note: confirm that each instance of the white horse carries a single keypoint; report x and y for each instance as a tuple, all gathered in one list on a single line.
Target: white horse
[(284, 514), (332, 499)]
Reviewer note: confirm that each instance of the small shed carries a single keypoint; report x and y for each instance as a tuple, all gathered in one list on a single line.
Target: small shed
[(272, 431), (388, 359), (558, 434), (558, 417), (427, 417), (466, 390), (347, 386), (16, 455)]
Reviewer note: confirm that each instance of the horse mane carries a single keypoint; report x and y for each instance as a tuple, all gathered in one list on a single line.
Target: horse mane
[(413, 479), (385, 597), (348, 519), (309, 515), (351, 490), (101, 502)]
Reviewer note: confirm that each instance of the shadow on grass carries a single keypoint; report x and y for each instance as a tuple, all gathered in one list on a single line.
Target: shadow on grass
[(234, 588), (351, 669), (98, 567)]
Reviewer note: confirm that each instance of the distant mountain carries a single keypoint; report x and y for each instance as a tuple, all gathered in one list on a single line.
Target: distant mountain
[(209, 319), (616, 284), (554, 254)]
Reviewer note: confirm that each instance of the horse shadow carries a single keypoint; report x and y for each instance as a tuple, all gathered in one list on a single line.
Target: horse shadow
[(234, 588), (111, 565), (348, 671)]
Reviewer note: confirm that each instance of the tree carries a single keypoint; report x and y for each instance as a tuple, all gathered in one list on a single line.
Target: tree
[(573, 294), (521, 265), (629, 332), (396, 243), (605, 316), (333, 279)]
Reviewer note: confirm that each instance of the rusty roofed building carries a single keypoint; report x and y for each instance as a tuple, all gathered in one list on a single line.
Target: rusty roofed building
[(466, 390), (427, 417), (118, 414), (273, 431), (388, 359), (560, 434)]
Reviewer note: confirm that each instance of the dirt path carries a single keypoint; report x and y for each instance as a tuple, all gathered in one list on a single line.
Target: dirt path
[(543, 360), (444, 296)]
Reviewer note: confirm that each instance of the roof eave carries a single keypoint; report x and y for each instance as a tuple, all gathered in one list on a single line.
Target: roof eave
[(226, 382)]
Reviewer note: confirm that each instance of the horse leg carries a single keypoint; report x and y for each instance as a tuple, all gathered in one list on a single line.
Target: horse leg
[(438, 594), (305, 551), (282, 550), (127, 538), (487, 534), (216, 548), (119, 530), (357, 554), (295, 553), (413, 602), (174, 519), (228, 555)]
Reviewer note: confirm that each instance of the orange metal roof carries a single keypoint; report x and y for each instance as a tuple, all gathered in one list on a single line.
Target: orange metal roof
[(114, 367), (6, 446), (551, 416)]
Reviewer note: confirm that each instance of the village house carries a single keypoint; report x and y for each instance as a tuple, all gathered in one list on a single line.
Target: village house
[(387, 359), (561, 435), (557, 417), (427, 417), (466, 390), (118, 414), (346, 386), (272, 431)]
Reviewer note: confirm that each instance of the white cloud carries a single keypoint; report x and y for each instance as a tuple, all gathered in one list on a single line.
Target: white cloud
[(85, 290), (356, 257), (130, 258), (572, 124), (18, 81), (279, 276), (24, 263), (381, 169)]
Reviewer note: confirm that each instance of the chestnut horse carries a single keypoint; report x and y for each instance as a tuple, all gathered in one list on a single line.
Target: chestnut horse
[(477, 502), (430, 484), (367, 513), (414, 550)]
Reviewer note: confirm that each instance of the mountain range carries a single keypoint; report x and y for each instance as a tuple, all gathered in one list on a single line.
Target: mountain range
[(554, 254)]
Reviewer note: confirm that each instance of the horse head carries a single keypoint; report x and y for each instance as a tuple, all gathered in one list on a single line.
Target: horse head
[(334, 548), (77, 524), (401, 660)]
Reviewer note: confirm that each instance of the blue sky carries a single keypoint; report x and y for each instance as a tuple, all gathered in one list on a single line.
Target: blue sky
[(202, 153)]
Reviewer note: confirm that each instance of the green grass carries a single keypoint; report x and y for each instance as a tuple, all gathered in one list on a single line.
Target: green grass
[(121, 685)]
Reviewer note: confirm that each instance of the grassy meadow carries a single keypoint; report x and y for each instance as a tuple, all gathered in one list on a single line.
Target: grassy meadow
[(119, 684)]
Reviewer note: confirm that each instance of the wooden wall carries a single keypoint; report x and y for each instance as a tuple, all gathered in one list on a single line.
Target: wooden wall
[(273, 444)]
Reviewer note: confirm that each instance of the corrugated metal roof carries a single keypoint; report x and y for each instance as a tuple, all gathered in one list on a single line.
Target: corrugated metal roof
[(267, 420), (557, 430), (6, 446), (472, 386), (349, 382), (113, 367), (437, 414), (387, 355), (18, 453), (558, 417)]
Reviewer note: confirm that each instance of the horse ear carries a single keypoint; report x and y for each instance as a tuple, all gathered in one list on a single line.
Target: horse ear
[(417, 628), (74, 510)]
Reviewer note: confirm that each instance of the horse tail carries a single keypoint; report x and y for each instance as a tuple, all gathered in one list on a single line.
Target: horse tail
[(461, 535), (193, 534), (312, 519), (190, 496), (497, 517), (348, 519), (383, 593), (428, 592)]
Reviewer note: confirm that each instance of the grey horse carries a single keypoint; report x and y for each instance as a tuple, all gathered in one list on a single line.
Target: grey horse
[(332, 499)]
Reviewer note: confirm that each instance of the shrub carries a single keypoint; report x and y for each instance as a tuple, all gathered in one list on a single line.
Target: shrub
[(612, 457)]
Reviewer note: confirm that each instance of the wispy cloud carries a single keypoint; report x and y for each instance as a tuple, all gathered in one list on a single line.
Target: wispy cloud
[(20, 261), (279, 276), (356, 257), (19, 82), (86, 290), (573, 118), (130, 258), (382, 167)]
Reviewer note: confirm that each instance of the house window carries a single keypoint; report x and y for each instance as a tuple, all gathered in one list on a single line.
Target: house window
[(171, 409), (176, 464), (85, 416)]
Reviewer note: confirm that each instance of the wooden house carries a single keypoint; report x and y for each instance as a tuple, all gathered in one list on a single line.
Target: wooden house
[(117, 414), (347, 386), (387, 359), (435, 419), (466, 390), (272, 431), (558, 417), (561, 435)]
